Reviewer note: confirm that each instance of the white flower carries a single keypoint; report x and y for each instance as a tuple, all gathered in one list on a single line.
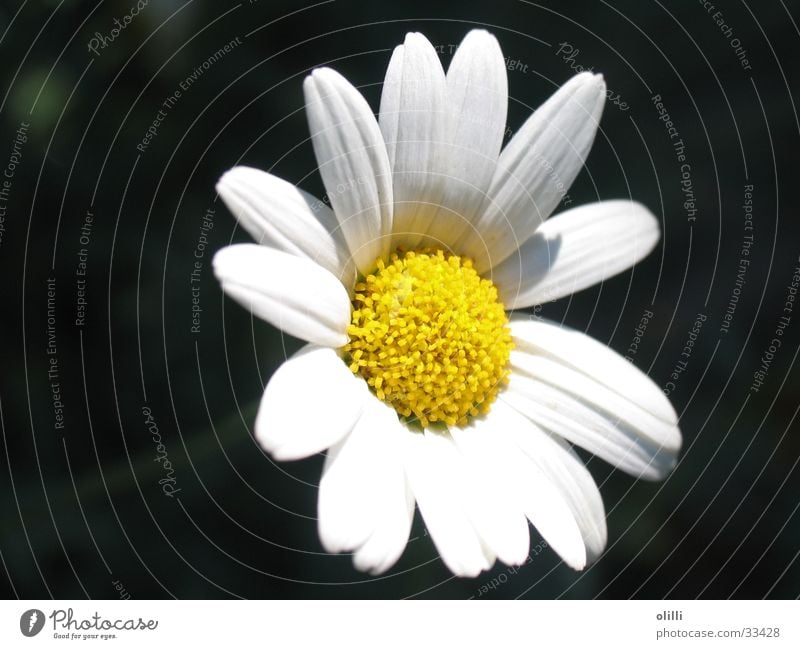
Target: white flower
[(415, 379)]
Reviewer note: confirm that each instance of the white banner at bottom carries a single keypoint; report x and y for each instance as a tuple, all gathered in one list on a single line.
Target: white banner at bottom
[(371, 624)]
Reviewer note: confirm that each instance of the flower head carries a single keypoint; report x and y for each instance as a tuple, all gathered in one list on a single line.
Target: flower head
[(418, 379), (430, 337)]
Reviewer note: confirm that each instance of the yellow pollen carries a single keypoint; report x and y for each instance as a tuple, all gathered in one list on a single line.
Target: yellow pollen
[(430, 337)]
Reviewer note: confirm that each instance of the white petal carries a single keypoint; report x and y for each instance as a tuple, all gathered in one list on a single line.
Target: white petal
[(587, 356), (365, 503), (360, 473), (392, 521), (494, 503), (538, 497), (436, 475), (390, 537), (576, 249), (587, 503), (353, 163), (612, 405), (412, 120), (292, 293), (611, 439), (536, 169), (311, 402), (477, 98), (278, 214), (565, 485)]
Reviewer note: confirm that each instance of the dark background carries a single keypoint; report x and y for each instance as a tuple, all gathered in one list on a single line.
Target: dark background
[(81, 508)]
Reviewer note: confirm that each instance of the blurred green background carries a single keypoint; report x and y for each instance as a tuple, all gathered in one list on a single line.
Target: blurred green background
[(82, 511)]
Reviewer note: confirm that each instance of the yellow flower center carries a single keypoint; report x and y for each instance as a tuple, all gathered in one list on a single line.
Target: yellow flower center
[(430, 337)]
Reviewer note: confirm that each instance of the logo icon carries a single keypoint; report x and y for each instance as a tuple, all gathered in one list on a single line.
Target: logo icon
[(31, 622)]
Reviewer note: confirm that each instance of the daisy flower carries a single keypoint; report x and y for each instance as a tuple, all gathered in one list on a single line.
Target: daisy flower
[(418, 378)]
